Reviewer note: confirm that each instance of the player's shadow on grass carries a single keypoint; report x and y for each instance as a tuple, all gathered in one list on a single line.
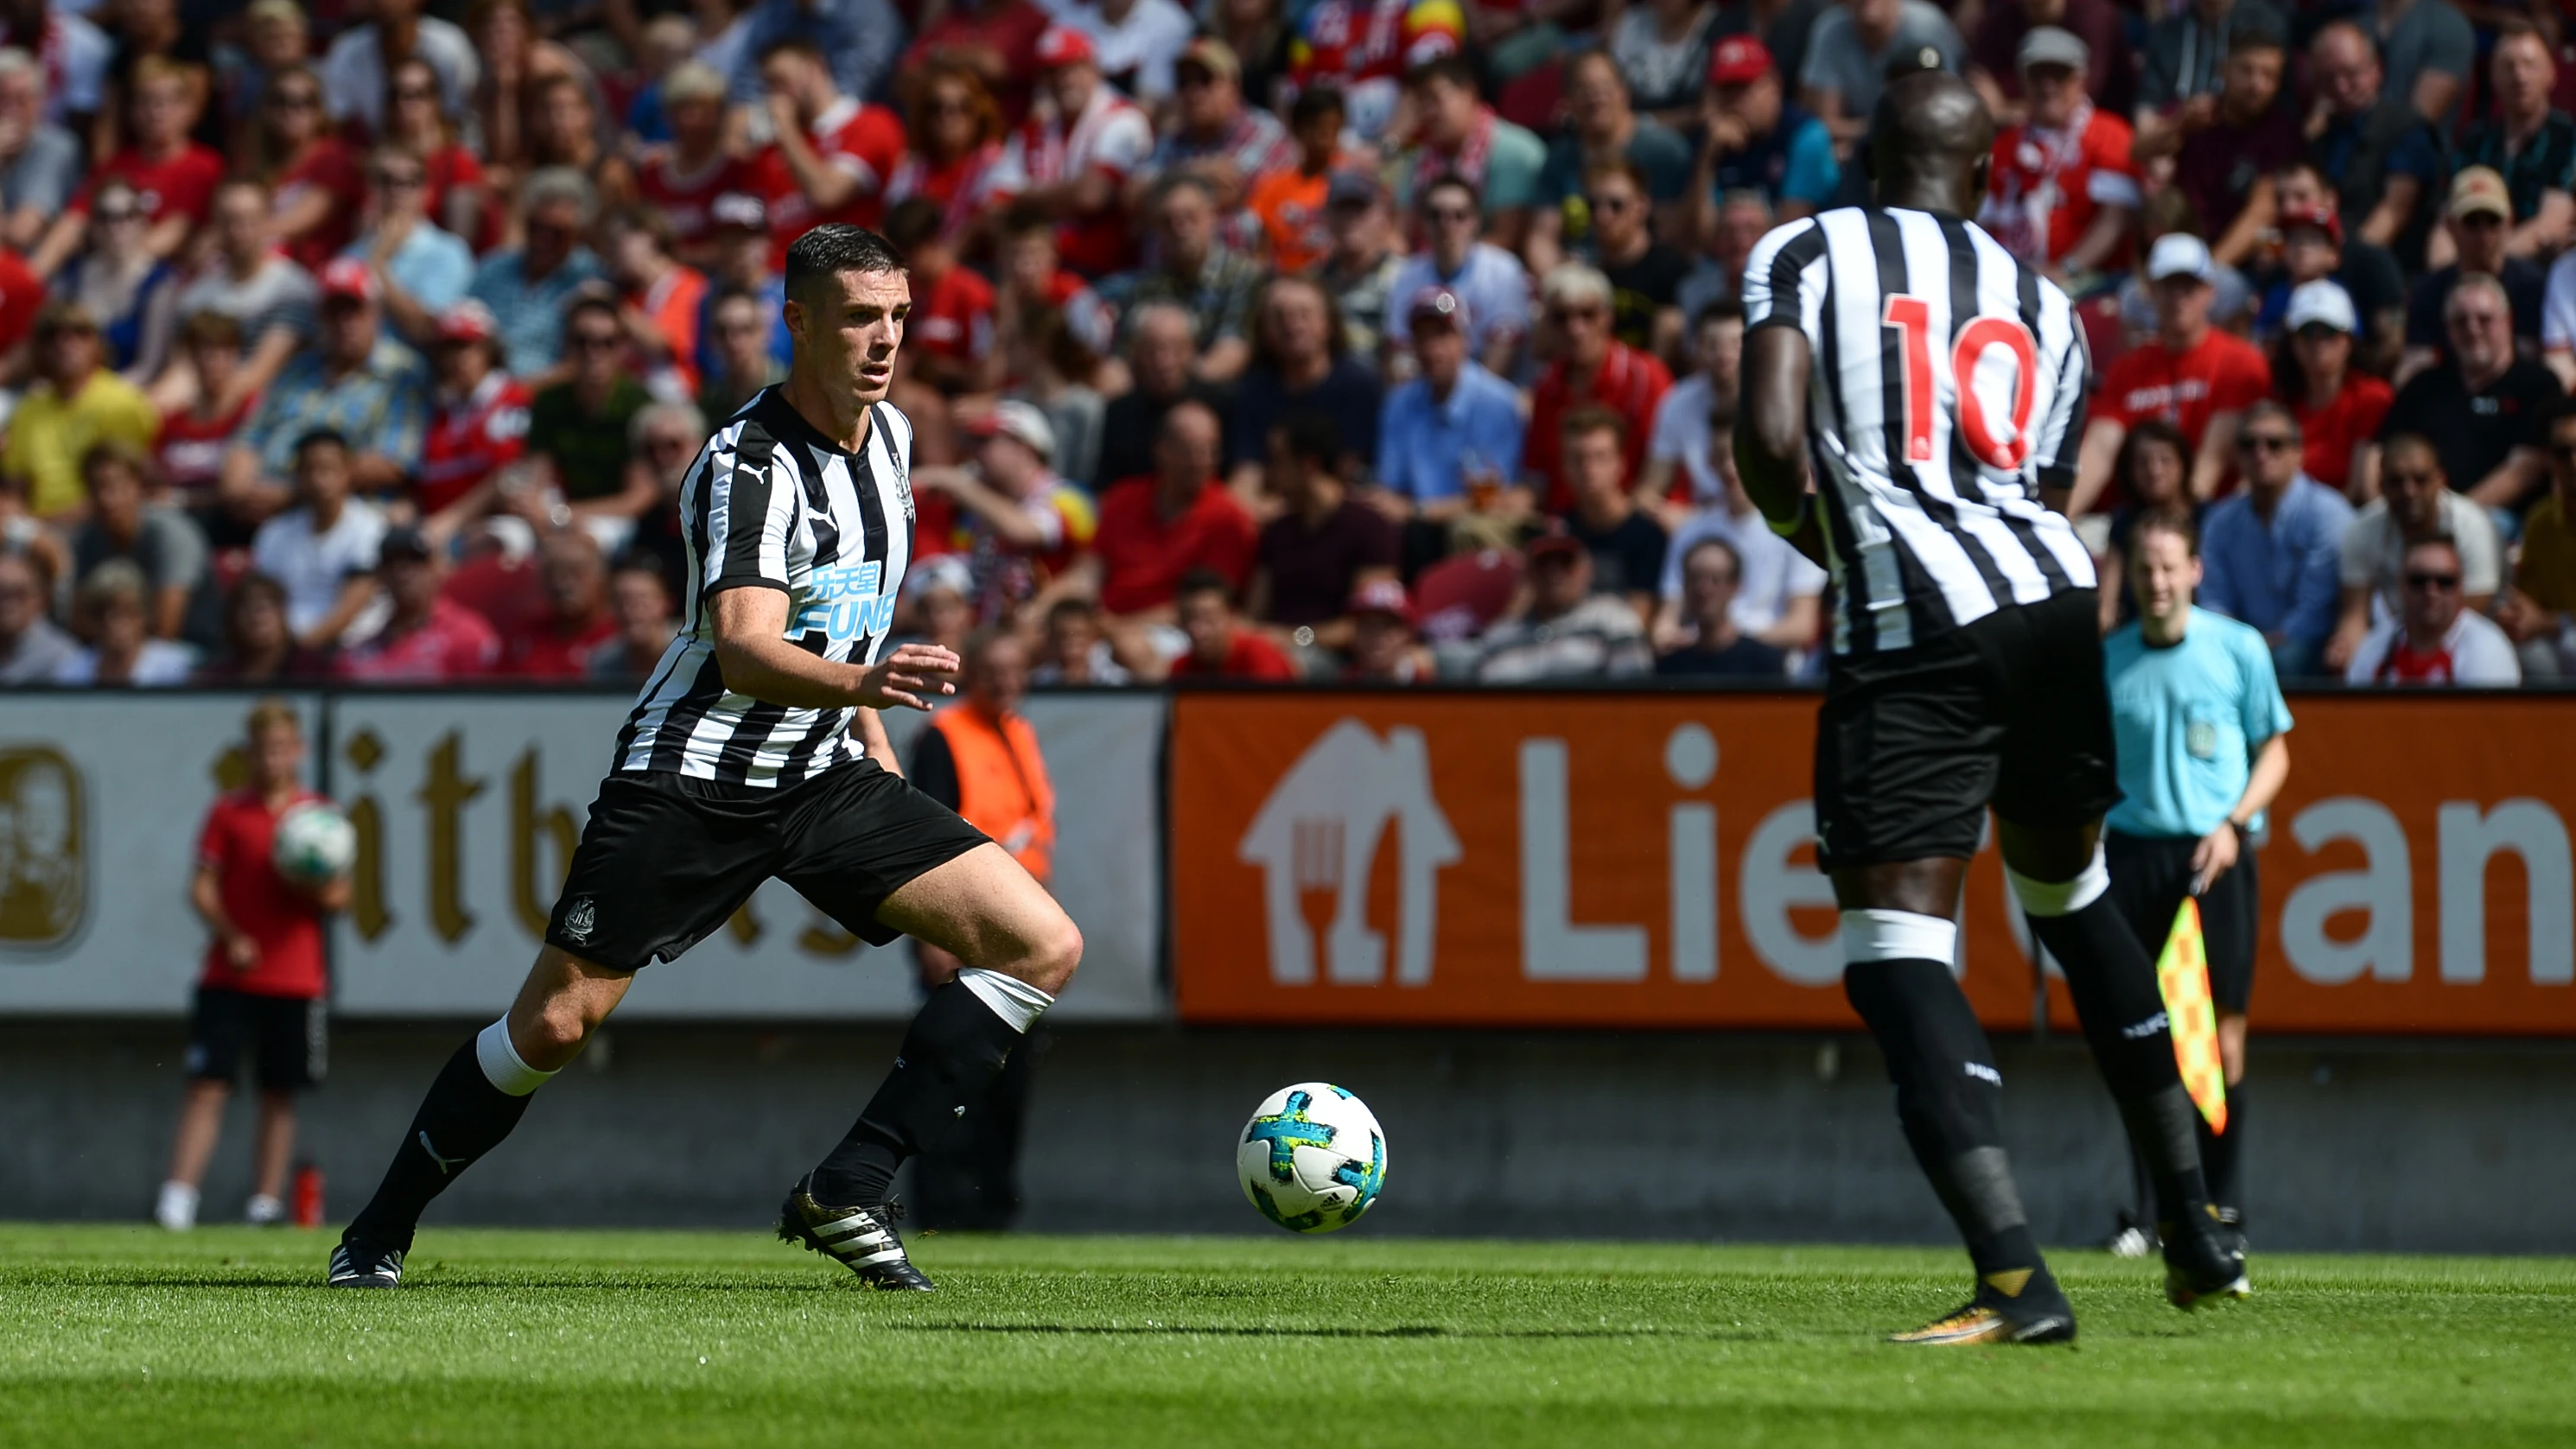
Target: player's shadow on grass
[(1409, 1330)]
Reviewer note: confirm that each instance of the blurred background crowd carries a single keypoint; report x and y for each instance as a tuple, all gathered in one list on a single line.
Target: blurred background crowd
[(1373, 340)]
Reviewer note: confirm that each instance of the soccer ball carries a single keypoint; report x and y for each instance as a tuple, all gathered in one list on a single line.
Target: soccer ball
[(315, 844), (1312, 1159)]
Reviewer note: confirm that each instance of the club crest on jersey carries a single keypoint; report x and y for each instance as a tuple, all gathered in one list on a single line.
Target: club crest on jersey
[(847, 603), (580, 920), (902, 481)]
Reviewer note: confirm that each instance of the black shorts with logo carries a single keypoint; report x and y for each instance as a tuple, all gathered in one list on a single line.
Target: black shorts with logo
[(2011, 711), (667, 857), (2150, 875), (289, 1035)]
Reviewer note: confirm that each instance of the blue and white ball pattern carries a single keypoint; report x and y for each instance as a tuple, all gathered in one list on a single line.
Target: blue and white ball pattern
[(1312, 1158)]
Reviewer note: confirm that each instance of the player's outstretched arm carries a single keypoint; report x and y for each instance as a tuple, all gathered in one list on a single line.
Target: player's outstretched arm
[(757, 660), (1771, 434)]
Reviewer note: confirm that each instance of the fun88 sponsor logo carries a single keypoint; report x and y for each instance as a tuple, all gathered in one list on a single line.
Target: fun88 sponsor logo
[(845, 603)]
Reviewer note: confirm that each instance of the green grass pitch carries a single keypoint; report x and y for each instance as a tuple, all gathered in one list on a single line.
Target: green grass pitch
[(126, 1336)]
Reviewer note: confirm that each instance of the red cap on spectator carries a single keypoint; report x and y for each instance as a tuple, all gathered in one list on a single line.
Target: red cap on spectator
[(349, 277), (1381, 596), (2320, 216), (1738, 60), (1555, 541), (468, 321), (1064, 45), (1435, 303)]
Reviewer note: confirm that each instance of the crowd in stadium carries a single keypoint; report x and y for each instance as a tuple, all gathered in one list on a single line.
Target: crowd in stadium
[(1287, 339)]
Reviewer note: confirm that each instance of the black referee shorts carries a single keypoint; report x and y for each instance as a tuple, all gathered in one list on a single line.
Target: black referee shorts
[(289, 1036), (666, 858), (2150, 875), (1913, 744)]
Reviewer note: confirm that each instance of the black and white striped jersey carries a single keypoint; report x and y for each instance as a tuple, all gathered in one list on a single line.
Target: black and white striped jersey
[(1948, 387), (771, 503)]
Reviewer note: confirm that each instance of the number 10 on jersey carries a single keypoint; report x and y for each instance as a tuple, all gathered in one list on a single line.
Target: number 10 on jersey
[(1911, 316)]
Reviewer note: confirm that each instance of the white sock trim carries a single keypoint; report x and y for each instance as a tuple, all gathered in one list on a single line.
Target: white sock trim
[(501, 1064), (1013, 1000), (1878, 935), (2062, 898)]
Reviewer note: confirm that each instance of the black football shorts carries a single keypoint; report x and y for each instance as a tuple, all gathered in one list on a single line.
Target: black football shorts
[(2150, 875), (289, 1036), (666, 858), (2010, 711)]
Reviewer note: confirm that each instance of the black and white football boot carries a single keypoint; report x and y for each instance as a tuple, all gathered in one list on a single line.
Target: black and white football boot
[(861, 1239), (357, 1263)]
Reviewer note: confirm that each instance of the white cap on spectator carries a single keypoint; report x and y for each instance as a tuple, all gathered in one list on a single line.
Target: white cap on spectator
[(2180, 254), (2050, 45), (2322, 301), (1014, 418)]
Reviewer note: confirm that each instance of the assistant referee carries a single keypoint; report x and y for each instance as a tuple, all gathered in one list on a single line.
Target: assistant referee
[(2199, 717)]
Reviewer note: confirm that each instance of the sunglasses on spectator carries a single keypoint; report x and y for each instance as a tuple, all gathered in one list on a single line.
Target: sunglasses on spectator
[(1614, 205), (596, 341), (1450, 213), (2318, 332), (1190, 78), (947, 106), (2445, 582), (2267, 442)]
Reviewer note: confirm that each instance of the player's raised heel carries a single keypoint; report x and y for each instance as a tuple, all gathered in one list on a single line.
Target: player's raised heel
[(2035, 1312), (862, 1240), (2203, 1263), (357, 1263)]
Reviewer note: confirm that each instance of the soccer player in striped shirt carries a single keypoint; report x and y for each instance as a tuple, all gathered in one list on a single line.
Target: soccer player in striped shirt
[(1933, 387), (754, 750)]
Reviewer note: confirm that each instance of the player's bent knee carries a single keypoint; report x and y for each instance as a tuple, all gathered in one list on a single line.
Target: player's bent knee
[(2047, 898), (1053, 956)]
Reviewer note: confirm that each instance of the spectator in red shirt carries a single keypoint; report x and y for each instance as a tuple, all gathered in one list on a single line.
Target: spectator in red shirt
[(953, 132), (659, 300), (642, 601), (1019, 522), (478, 423), (1074, 157), (262, 983), (2192, 375), (577, 621), (189, 450), (2062, 194), (1592, 367), (174, 175), (1155, 529), (832, 155), (429, 638), (682, 178), (950, 336), (417, 120), (2337, 405), (317, 186), (1220, 646)]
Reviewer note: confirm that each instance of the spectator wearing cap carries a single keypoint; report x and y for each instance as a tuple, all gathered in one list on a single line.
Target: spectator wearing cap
[(858, 40), (359, 384), (360, 60), (2433, 640), (2315, 245), (1156, 528), (1489, 279), (1450, 442), (1457, 134), (577, 621), (2539, 611), (1627, 543), (1138, 42), (999, 40), (740, 222), (174, 176), (2226, 145), (478, 424), (1754, 139), (528, 287), (1220, 646), (1023, 523), (1849, 55), (2381, 155), (2476, 224), (322, 550), (2336, 405), (2530, 142), (938, 602), (1681, 466), (640, 597), (2186, 51), (580, 430), (1996, 69), (74, 404), (831, 153), (33, 648), (1234, 145), (421, 270), (1364, 263), (1212, 282), (660, 300), (1074, 159), (1778, 594), (1717, 647), (2485, 409), (2062, 194), (1558, 628), (1592, 367), (40, 163), (1645, 274), (2190, 374), (1602, 130), (2272, 552), (2415, 503), (427, 638), (1301, 363), (1290, 202), (1384, 647), (122, 524), (271, 299), (1663, 50), (112, 607), (1323, 543)]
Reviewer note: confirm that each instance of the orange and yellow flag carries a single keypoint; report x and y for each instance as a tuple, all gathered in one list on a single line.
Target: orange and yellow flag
[(2182, 978)]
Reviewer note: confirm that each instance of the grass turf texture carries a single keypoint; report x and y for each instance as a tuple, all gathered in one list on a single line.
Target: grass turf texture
[(115, 1335)]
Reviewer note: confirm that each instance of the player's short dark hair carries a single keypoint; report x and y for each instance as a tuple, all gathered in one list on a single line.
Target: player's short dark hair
[(1310, 437), (1594, 418), (1316, 102), (1204, 581), (1452, 68), (320, 438), (1734, 556), (2168, 519), (913, 221), (836, 247)]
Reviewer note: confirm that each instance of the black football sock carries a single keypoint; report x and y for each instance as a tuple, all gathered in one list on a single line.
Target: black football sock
[(464, 1116), (2113, 983), (1948, 1103), (2222, 1157), (955, 1048)]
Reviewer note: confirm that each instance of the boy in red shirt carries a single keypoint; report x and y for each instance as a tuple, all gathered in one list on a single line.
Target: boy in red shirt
[(2192, 375), (262, 985), (951, 331), (1220, 647)]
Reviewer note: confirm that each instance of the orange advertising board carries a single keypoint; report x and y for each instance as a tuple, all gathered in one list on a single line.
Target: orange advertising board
[(1647, 860)]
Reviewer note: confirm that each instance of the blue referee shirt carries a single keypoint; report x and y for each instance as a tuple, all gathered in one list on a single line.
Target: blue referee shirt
[(2188, 721)]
